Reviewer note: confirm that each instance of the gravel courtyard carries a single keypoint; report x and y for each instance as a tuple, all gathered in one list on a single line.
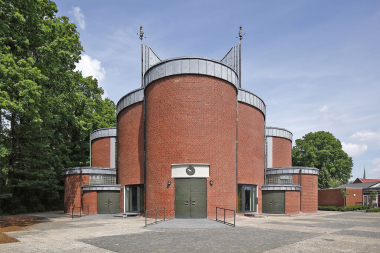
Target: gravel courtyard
[(322, 232)]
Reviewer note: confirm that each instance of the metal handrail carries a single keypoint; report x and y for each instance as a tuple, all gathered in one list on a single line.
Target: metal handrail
[(146, 217), (80, 211), (224, 216)]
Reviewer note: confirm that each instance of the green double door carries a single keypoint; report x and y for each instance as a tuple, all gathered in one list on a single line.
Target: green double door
[(108, 202), (274, 202), (190, 198)]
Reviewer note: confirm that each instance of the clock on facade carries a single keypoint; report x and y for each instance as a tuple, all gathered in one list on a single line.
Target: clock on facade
[(190, 170)]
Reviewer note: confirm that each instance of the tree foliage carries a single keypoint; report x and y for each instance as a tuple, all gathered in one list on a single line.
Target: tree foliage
[(47, 109), (323, 151)]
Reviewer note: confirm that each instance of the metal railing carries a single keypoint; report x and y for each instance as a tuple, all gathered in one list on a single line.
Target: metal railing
[(224, 216), (155, 216), (80, 211)]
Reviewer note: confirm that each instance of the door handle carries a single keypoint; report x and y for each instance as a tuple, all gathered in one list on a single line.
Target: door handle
[(193, 203), (186, 202)]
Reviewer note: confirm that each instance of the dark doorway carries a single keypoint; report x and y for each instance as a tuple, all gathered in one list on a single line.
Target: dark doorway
[(134, 198), (247, 198)]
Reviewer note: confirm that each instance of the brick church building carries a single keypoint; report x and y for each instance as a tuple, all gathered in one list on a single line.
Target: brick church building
[(191, 139)]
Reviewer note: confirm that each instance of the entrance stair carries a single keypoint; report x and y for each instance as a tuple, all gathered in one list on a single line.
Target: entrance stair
[(255, 215), (125, 215)]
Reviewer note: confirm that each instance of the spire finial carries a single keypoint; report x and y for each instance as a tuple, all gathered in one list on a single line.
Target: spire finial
[(141, 34), (241, 34), (364, 176)]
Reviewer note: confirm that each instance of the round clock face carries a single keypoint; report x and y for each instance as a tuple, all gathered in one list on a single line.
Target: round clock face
[(190, 170)]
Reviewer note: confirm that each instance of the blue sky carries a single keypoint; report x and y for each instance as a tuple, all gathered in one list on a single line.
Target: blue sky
[(316, 64)]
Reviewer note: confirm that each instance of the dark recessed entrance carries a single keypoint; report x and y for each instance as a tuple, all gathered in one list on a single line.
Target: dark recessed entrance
[(190, 198), (273, 202), (108, 202), (134, 198), (247, 198)]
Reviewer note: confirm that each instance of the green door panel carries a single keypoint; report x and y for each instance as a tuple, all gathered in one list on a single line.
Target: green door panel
[(108, 202), (190, 198), (198, 198), (182, 198), (273, 202)]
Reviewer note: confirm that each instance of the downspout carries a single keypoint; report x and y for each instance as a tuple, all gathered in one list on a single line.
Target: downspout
[(265, 152), (300, 182), (90, 149), (81, 192), (237, 149), (144, 110)]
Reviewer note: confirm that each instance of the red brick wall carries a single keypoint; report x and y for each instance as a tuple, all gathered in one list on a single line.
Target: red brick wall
[(333, 197), (292, 202), (309, 194), (73, 191), (282, 152), (101, 153), (191, 119), (130, 127), (330, 197), (251, 148), (90, 199), (351, 200)]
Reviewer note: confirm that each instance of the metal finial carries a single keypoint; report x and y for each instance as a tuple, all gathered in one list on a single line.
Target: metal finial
[(141, 33), (241, 34)]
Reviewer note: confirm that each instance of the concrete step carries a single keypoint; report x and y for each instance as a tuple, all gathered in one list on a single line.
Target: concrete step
[(125, 215), (255, 215)]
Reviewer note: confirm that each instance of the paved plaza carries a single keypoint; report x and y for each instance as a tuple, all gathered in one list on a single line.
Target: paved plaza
[(322, 232)]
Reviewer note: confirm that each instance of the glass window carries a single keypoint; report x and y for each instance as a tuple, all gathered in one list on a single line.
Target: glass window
[(279, 179)]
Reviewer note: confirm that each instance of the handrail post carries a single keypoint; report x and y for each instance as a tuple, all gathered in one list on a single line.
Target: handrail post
[(156, 215), (224, 216), (234, 218), (80, 211), (145, 219), (216, 213), (164, 213), (72, 213)]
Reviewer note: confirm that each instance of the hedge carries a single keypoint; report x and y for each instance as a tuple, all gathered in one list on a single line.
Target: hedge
[(373, 210), (343, 208)]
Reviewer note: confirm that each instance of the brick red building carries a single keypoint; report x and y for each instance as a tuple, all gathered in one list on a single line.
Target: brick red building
[(191, 140)]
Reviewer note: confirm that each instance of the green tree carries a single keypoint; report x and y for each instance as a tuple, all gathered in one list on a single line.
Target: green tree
[(323, 151), (344, 194), (372, 197), (47, 109)]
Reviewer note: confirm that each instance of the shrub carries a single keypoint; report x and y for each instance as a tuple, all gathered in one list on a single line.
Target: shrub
[(343, 208), (353, 208), (373, 210), (328, 208)]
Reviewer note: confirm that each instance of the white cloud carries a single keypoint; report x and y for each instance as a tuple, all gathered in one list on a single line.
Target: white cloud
[(376, 171), (92, 67), (324, 108), (366, 135), (79, 17), (354, 150)]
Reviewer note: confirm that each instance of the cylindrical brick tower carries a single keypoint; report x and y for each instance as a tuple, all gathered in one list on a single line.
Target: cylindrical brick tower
[(308, 179), (103, 147), (190, 134), (251, 125), (130, 126), (279, 147)]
